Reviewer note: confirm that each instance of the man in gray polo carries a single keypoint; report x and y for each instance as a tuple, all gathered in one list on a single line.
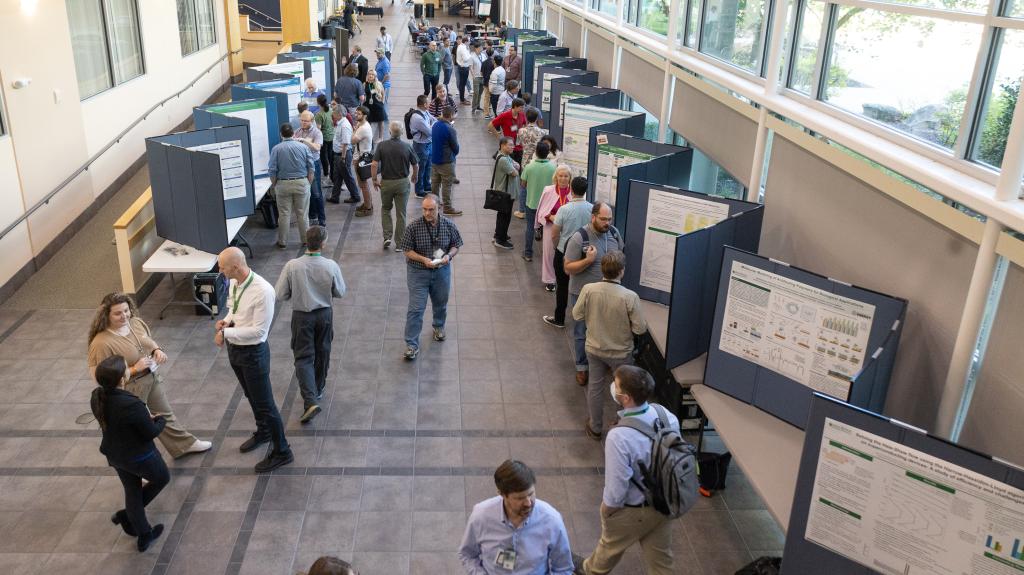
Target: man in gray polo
[(291, 174), (310, 282), (393, 162)]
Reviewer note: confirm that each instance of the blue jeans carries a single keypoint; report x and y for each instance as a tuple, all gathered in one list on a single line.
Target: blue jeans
[(579, 337), (530, 221), (316, 197), (423, 282), (522, 199), (423, 157), (251, 364)]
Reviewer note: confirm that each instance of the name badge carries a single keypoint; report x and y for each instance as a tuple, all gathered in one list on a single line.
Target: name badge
[(514, 128), (506, 559)]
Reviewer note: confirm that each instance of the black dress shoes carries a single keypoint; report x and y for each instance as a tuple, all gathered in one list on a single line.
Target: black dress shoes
[(121, 518), (273, 461), (252, 443), (147, 539)]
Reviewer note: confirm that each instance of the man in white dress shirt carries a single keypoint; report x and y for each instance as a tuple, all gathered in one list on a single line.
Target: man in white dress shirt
[(245, 329)]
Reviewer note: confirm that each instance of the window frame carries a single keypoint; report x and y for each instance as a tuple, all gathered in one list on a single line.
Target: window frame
[(108, 52), (195, 26)]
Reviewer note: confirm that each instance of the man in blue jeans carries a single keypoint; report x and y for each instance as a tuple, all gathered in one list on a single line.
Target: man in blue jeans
[(420, 125), (429, 244)]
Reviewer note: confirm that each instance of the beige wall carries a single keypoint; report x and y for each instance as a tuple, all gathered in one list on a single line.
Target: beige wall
[(52, 132)]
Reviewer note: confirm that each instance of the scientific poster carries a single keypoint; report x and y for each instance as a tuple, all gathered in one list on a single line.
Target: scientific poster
[(899, 511), (669, 216), (232, 166), (522, 38), (539, 61), (566, 97), (318, 71), (545, 90), (292, 87), (609, 160), (579, 119), (256, 112), (809, 335)]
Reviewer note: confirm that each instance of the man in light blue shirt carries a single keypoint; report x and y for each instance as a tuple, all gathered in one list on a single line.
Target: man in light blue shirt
[(291, 172), (383, 69), (626, 518), (515, 533), (420, 124)]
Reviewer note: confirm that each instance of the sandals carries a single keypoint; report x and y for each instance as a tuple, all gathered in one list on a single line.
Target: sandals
[(362, 212)]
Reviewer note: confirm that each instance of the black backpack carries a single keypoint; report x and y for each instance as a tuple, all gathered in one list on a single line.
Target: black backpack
[(408, 122), (670, 482)]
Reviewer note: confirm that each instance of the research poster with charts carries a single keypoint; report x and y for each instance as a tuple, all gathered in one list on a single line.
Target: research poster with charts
[(545, 91), (255, 111), (579, 119), (809, 335), (291, 86), (318, 71), (669, 216), (539, 61), (609, 160), (900, 511), (232, 167), (566, 97)]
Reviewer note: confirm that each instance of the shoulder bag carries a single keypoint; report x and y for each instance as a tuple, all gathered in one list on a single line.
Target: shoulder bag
[(497, 200)]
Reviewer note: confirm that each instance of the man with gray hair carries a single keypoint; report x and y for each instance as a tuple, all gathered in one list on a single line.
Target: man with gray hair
[(394, 167), (310, 282)]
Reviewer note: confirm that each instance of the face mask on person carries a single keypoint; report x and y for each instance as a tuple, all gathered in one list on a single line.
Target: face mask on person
[(615, 398)]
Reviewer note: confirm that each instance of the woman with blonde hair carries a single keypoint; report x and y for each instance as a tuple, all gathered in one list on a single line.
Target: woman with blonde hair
[(551, 199), (116, 330), (374, 102)]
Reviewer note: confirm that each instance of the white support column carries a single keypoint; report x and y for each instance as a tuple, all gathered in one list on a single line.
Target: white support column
[(967, 336), (667, 93)]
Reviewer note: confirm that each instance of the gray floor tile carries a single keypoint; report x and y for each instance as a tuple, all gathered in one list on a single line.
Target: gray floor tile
[(326, 533), (437, 530), (384, 531), (276, 532), (210, 531), (335, 493), (386, 494)]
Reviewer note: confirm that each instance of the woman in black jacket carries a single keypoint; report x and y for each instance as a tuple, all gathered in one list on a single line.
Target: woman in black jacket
[(128, 433)]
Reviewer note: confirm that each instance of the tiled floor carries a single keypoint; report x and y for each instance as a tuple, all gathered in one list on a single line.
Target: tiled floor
[(386, 474)]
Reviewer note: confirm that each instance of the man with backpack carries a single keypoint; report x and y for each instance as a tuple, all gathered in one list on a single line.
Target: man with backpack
[(640, 498), (613, 313), (418, 125)]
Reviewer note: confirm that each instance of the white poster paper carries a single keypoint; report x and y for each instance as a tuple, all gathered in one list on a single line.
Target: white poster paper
[(539, 61), (579, 119), (318, 71), (609, 160), (669, 216), (899, 511), (292, 87), (545, 90), (809, 335), (255, 112), (232, 166), (566, 96)]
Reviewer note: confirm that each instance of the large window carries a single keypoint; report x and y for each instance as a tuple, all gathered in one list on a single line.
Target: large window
[(1001, 94), (734, 31), (107, 43), (609, 7), (196, 25), (651, 15), (707, 176)]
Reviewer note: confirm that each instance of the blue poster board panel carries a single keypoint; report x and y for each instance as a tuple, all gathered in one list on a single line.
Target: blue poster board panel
[(325, 83), (187, 196), (204, 119), (530, 53), (233, 208), (804, 557), (319, 46), (561, 62), (773, 392), (241, 92), (564, 86), (579, 75)]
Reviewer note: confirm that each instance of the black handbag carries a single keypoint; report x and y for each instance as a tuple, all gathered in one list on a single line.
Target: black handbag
[(363, 169), (497, 200)]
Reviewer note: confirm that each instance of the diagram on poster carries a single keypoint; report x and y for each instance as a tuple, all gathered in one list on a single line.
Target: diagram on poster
[(669, 216), (579, 119), (809, 335), (609, 160), (545, 92), (232, 167), (255, 111), (900, 511)]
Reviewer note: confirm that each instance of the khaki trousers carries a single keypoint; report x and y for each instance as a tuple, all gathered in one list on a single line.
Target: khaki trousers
[(174, 437), (394, 193), (442, 178), (625, 527), (292, 195)]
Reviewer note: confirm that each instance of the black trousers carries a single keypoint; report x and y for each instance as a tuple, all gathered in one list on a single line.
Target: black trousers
[(494, 103), (327, 157), (501, 223), (251, 364), (312, 334), (430, 85), (463, 81), (561, 287), (343, 173), (136, 496)]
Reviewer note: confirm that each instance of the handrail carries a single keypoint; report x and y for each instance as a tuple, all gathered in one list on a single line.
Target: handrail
[(258, 11), (84, 167)]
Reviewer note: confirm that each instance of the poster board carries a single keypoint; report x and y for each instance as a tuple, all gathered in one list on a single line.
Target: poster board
[(781, 333), (583, 116), (530, 54), (545, 73), (243, 92), (533, 37), (874, 495), (289, 86), (564, 90), (320, 69), (321, 45), (261, 117)]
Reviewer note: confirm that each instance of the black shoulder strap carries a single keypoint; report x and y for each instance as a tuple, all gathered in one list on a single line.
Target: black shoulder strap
[(615, 234), (584, 235)]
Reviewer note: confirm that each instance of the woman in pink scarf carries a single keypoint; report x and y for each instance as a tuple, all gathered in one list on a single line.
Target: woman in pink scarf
[(554, 196)]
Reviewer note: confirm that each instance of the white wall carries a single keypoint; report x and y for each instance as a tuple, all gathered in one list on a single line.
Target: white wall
[(52, 132)]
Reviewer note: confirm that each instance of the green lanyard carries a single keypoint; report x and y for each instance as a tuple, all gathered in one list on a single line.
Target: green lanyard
[(642, 411), (311, 254), (236, 296)]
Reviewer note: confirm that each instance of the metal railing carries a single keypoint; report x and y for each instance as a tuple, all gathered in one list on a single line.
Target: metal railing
[(257, 11), (85, 167)]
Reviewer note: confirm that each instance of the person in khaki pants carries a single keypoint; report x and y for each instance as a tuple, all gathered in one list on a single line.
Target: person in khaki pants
[(393, 163), (291, 175), (626, 517)]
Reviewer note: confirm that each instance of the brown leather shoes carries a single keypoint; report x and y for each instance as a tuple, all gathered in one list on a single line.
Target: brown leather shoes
[(581, 378)]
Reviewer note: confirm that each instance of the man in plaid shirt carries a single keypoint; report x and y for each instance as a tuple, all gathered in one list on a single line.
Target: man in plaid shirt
[(429, 244)]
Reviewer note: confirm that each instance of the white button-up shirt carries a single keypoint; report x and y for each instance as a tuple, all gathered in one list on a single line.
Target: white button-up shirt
[(254, 312)]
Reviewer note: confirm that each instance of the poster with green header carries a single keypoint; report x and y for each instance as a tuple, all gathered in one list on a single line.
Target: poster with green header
[(609, 160)]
